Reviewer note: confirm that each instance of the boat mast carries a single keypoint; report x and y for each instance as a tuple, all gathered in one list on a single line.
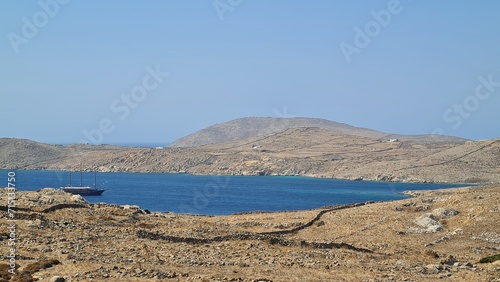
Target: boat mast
[(70, 179), (81, 175), (95, 180)]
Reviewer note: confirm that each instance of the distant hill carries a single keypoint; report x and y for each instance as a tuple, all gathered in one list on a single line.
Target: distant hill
[(244, 128), (16, 153), (19, 152), (307, 151)]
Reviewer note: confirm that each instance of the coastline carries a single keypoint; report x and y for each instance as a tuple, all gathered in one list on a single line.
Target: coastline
[(290, 153), (216, 195), (377, 179)]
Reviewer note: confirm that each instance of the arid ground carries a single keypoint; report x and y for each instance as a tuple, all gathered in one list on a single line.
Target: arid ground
[(434, 235)]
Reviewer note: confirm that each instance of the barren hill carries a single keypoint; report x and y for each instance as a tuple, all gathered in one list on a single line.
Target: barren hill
[(323, 153), (244, 128), (28, 154), (17, 152), (308, 151)]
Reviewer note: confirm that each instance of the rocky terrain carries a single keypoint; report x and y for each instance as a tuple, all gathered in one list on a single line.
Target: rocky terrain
[(251, 127), (441, 234), (309, 151)]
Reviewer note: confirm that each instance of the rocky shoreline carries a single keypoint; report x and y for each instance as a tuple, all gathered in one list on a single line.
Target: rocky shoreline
[(299, 152)]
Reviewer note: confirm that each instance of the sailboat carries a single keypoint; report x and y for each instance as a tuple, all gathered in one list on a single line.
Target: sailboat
[(83, 190)]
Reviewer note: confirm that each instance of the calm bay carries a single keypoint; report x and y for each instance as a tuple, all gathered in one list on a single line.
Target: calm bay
[(219, 195)]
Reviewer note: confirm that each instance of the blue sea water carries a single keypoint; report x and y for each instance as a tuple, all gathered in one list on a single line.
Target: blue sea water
[(219, 195)]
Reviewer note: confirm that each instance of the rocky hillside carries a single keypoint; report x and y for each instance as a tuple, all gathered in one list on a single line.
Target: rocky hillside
[(299, 151), (27, 154), (449, 235), (19, 152), (244, 128)]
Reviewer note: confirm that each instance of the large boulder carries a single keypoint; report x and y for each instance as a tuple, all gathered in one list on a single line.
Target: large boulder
[(43, 198), (444, 213), (429, 223)]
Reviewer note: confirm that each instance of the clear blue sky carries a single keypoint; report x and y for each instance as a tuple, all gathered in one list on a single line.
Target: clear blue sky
[(65, 66)]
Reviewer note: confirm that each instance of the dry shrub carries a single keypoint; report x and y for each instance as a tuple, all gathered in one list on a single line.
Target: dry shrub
[(489, 259), (475, 180), (90, 218), (39, 265), (431, 253), (145, 225), (30, 269), (106, 217), (4, 272)]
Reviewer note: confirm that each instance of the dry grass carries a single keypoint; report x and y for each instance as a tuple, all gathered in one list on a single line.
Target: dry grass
[(26, 274), (105, 245), (5, 275)]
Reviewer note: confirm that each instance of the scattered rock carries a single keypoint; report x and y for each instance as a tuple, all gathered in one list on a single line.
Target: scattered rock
[(99, 242), (57, 279), (450, 260), (448, 236), (77, 199), (422, 208), (444, 275), (131, 207), (444, 213), (491, 237), (433, 269), (429, 224)]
